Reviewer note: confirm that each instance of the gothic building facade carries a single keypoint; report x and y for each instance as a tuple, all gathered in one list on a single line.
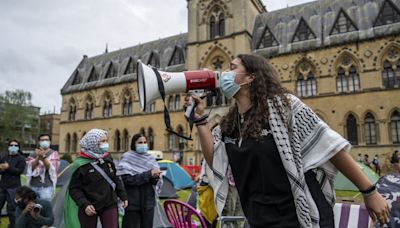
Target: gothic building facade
[(340, 57)]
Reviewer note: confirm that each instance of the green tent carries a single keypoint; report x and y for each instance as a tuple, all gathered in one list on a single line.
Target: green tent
[(342, 183)]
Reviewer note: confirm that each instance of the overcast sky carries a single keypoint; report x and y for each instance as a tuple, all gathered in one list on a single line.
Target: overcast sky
[(42, 41)]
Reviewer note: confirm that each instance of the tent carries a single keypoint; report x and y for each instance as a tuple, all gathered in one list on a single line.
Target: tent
[(179, 177), (64, 176), (342, 183), (167, 190)]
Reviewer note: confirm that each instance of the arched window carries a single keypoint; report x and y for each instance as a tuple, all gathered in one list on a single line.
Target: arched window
[(117, 141), (171, 105), (127, 104), (150, 138), (221, 25), (352, 133), (370, 129), (354, 81), (72, 110), (171, 141), (177, 102), (347, 79), (391, 69), (213, 30), (74, 143), (341, 81), (395, 127), (107, 107), (306, 84), (89, 109), (180, 140), (142, 131), (301, 86), (68, 143), (125, 140)]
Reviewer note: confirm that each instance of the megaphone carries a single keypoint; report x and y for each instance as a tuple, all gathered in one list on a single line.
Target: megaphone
[(150, 81)]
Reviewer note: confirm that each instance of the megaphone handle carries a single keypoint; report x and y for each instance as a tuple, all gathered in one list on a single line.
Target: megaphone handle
[(190, 108)]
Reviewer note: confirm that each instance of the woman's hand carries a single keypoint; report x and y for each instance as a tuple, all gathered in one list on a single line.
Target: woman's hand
[(377, 207), (199, 111), (90, 210)]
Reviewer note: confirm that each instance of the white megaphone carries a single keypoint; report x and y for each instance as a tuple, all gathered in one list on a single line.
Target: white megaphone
[(149, 79)]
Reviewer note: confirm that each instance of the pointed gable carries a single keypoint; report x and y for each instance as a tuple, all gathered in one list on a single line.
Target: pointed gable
[(388, 14), (111, 71), (77, 78), (303, 32), (93, 75), (267, 40), (130, 67), (153, 60), (343, 24), (176, 57)]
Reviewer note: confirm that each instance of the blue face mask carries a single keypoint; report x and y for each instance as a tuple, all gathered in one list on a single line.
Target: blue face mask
[(13, 150), (228, 85), (44, 144), (142, 148), (104, 147)]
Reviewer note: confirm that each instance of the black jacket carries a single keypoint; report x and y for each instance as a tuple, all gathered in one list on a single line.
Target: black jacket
[(140, 190), (88, 187), (11, 177)]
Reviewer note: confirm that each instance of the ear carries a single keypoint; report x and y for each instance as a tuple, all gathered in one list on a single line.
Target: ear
[(251, 78)]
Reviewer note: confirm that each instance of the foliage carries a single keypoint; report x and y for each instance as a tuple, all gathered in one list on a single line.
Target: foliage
[(18, 118)]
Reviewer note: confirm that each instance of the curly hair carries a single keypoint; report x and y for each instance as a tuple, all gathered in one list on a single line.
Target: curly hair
[(265, 86)]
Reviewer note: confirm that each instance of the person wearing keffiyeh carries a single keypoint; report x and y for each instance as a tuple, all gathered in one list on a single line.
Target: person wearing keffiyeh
[(91, 195), (141, 175), (284, 158)]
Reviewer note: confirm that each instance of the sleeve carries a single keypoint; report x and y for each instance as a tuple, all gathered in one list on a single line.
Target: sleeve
[(20, 219), (18, 169), (47, 219), (312, 138), (120, 189), (75, 190), (137, 180), (1, 161)]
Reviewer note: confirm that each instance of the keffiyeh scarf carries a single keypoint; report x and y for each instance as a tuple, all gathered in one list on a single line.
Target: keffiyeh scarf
[(133, 163), (90, 143), (308, 146)]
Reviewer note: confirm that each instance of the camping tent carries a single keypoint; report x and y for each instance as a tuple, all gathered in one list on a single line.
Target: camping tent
[(342, 183), (167, 190), (179, 177)]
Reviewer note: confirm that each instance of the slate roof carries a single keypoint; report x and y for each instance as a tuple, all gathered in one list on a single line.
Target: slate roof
[(162, 49), (321, 16)]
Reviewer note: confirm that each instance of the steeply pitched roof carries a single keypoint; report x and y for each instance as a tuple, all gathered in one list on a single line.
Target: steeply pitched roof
[(321, 17), (162, 48)]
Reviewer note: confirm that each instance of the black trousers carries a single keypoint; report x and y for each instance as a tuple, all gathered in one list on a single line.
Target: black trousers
[(8, 194), (137, 219)]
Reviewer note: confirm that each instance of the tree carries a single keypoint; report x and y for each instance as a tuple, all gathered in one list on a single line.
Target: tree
[(19, 119)]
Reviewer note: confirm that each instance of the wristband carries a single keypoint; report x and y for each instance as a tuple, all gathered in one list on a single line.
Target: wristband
[(201, 119), (369, 191), (201, 123)]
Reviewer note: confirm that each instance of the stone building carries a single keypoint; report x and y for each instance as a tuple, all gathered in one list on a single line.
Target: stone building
[(341, 57)]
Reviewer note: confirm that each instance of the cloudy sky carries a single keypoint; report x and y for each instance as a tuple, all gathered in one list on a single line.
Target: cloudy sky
[(42, 41)]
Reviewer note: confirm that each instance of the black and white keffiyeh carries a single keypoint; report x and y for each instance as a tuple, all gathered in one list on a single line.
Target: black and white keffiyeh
[(90, 143), (308, 146)]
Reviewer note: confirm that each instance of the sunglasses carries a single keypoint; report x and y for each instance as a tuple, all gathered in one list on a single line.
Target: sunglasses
[(14, 145)]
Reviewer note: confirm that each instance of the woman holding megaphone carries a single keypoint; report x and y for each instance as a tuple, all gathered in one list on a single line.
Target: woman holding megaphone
[(283, 157)]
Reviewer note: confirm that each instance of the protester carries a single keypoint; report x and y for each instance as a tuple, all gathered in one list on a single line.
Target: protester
[(94, 187), (140, 172), (12, 166), (366, 161), (42, 169), (32, 212), (279, 150), (394, 160), (359, 158), (375, 162)]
